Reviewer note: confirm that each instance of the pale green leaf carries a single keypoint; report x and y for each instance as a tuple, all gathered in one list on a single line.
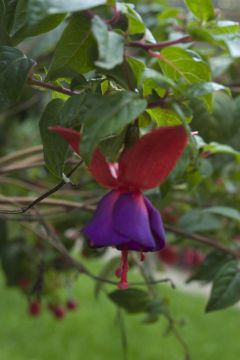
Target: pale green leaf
[(202, 9), (110, 45)]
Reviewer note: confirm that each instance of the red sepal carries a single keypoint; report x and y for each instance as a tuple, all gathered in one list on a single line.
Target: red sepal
[(99, 167), (71, 136), (148, 162)]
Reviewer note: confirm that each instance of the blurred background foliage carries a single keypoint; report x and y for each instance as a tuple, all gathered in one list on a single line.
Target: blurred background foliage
[(201, 197)]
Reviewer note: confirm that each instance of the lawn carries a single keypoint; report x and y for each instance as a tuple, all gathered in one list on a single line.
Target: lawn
[(91, 332)]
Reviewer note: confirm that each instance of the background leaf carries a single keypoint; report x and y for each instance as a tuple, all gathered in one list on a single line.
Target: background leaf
[(132, 300), (226, 287), (54, 147), (228, 212), (212, 263), (14, 69)]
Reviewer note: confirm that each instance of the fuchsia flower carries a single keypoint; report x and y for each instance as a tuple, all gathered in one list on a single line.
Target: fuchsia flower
[(125, 218)]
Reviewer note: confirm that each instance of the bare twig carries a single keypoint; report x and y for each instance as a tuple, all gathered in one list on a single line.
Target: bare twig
[(202, 239), (20, 166), (21, 153), (42, 198), (53, 87)]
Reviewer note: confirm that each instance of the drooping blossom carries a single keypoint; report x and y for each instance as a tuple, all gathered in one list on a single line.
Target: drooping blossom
[(124, 217)]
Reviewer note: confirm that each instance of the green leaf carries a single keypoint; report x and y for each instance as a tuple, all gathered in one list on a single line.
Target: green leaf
[(4, 37), (216, 148), (197, 221), (154, 309), (186, 68), (132, 300), (135, 22), (108, 116), (207, 271), (79, 53), (3, 235), (204, 88), (154, 80), (14, 69), (203, 10), (63, 6), (54, 147), (110, 45), (76, 108), (226, 287), (165, 117), (228, 212), (137, 66), (32, 18), (111, 146), (186, 65), (7, 9)]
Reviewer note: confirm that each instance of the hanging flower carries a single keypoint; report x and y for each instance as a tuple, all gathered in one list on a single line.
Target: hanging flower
[(125, 218)]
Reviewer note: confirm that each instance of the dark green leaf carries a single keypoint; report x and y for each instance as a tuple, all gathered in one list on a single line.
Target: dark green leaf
[(14, 69), (226, 287), (203, 10), (110, 45), (4, 37), (54, 147), (108, 116), (33, 18), (211, 265), (132, 300), (111, 147), (3, 234), (74, 111), (79, 53)]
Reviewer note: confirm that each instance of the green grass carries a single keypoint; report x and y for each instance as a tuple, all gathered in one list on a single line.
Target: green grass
[(91, 332)]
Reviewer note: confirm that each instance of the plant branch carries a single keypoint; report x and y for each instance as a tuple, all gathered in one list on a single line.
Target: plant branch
[(42, 198), (160, 45), (53, 87), (202, 239)]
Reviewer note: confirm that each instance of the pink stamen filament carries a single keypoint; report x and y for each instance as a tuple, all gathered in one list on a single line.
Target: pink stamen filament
[(123, 284), (142, 256)]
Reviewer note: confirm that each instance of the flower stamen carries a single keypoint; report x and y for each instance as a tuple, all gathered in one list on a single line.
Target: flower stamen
[(123, 284)]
